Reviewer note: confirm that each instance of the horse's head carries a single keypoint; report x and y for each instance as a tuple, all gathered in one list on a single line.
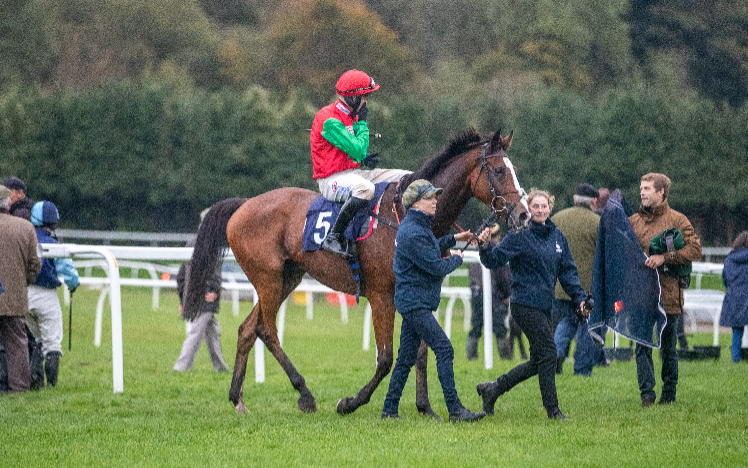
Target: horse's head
[(495, 182)]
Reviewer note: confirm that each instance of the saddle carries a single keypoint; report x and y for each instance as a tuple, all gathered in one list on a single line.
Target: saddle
[(322, 215)]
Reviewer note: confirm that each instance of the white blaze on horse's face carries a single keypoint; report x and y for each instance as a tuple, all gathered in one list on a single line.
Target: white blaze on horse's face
[(521, 193)]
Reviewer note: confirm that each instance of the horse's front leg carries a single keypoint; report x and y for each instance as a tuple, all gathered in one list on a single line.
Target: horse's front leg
[(422, 387), (247, 337), (383, 316)]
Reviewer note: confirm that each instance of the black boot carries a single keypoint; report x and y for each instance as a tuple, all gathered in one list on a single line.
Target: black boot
[(472, 348), (4, 387), (335, 241), (463, 414), (37, 367), (505, 347), (52, 366), (490, 392)]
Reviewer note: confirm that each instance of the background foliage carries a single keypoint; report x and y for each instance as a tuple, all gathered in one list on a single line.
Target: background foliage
[(136, 115)]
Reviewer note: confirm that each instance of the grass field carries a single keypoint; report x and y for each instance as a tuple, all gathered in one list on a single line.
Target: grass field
[(165, 418)]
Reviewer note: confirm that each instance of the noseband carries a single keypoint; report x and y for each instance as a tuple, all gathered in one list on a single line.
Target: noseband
[(498, 195)]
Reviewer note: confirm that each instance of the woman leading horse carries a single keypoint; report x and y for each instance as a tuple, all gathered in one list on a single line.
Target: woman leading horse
[(265, 235)]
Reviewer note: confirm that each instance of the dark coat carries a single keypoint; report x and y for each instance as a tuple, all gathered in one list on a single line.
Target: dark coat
[(22, 208), (735, 277), (418, 263), (537, 257)]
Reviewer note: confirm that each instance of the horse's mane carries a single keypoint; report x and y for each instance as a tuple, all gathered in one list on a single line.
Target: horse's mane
[(456, 146)]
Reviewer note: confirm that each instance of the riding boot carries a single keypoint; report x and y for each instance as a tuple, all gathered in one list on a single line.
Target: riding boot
[(472, 348), (37, 367), (52, 366), (335, 241)]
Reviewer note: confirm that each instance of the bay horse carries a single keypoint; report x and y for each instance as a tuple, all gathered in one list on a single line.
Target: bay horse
[(265, 234)]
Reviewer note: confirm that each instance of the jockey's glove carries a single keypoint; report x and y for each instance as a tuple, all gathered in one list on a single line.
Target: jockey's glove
[(362, 113), (371, 160)]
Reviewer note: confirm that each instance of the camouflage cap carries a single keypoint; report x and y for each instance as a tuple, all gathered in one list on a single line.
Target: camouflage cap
[(417, 190), (4, 192)]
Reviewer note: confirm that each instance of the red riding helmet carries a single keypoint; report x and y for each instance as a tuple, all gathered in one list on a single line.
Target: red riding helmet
[(355, 83)]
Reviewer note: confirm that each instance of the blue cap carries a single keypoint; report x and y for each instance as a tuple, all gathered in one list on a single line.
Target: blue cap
[(44, 213)]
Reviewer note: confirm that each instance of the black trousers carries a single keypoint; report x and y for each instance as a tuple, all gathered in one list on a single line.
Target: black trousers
[(645, 367), (537, 326)]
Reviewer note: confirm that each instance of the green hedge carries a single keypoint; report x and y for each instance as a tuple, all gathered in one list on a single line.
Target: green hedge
[(151, 155)]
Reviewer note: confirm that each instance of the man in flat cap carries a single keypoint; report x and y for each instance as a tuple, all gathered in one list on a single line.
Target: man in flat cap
[(579, 224), (19, 267)]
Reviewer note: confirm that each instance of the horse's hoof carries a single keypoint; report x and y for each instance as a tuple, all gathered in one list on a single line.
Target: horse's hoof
[(345, 406), (240, 408), (427, 411), (307, 404)]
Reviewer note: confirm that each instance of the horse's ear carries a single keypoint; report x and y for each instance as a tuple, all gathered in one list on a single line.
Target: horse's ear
[(495, 144), (507, 142)]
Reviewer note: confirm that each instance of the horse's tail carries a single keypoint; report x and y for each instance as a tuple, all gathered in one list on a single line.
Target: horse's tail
[(210, 245)]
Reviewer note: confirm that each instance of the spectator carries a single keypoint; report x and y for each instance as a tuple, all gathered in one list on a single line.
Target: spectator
[(45, 315), (602, 200), (654, 217), (205, 326), (501, 280), (419, 270), (579, 225), (735, 304), (19, 266), (537, 256), (20, 204)]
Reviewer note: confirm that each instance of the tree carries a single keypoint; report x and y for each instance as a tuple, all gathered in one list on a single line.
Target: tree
[(312, 42)]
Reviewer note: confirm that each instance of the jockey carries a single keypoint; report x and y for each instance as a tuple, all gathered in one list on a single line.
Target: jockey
[(340, 140)]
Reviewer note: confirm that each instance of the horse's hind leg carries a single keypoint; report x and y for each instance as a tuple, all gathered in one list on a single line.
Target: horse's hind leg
[(268, 332), (422, 387), (247, 337)]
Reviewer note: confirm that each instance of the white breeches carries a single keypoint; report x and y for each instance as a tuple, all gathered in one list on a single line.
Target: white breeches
[(358, 183)]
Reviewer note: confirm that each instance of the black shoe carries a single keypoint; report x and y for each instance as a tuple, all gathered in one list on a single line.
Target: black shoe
[(490, 392), (471, 349), (555, 413), (465, 415), (647, 402), (390, 415)]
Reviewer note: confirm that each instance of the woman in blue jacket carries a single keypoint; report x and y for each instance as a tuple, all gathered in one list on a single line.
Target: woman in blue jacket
[(419, 271), (735, 305), (537, 256)]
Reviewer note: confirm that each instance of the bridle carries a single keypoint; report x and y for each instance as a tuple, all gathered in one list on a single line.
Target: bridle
[(506, 207)]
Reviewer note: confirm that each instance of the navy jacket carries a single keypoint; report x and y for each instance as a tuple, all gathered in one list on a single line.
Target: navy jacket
[(735, 277), (418, 264), (537, 257)]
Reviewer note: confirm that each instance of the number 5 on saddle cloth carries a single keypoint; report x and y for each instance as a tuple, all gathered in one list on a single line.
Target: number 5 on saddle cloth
[(321, 217)]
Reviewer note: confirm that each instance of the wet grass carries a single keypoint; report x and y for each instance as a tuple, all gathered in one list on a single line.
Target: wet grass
[(165, 418)]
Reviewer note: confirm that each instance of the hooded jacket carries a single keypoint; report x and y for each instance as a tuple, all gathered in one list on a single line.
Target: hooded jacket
[(537, 257), (418, 263), (649, 223), (735, 277)]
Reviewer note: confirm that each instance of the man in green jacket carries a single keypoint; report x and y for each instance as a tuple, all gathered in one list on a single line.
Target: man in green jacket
[(579, 224)]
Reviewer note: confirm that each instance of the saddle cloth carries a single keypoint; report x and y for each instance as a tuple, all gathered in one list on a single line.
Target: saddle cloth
[(322, 215)]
